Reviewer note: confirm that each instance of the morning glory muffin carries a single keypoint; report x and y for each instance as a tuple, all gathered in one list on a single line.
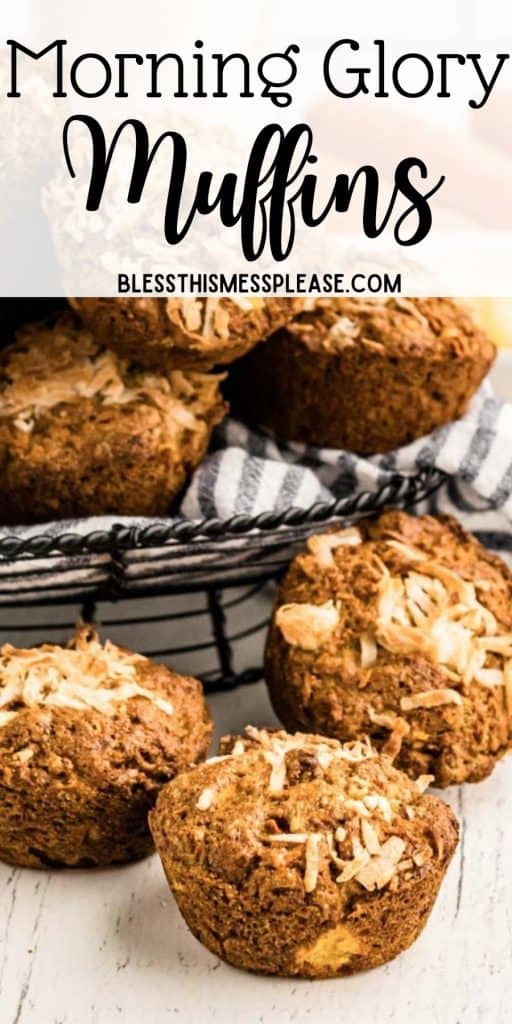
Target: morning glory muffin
[(300, 856), (89, 734), (399, 628), (84, 432), (364, 375), (185, 333)]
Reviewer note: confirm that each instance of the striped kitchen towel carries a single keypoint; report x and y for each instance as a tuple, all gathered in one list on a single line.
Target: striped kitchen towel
[(248, 473)]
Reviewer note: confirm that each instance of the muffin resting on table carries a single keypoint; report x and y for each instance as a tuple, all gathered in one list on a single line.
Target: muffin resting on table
[(88, 736), (400, 628), (295, 855), (84, 432), (364, 375), (184, 332)]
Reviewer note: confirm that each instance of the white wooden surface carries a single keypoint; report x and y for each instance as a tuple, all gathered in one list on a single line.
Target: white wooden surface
[(104, 946), (99, 947)]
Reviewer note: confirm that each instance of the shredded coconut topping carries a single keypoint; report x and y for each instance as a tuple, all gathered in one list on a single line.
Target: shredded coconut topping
[(210, 317), (355, 846), (308, 626), (63, 365), (431, 699), (312, 861), (86, 675), (322, 545), (205, 799), (432, 610)]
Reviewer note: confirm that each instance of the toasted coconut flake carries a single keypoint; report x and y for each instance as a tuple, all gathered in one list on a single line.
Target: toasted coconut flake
[(205, 799), (288, 837), (406, 865), (324, 758), (489, 676), (353, 867), (307, 626), (436, 613), (344, 329), (370, 837), (335, 858), (368, 649), (379, 805), (64, 365), (356, 751), (507, 679), (407, 550), (312, 861), (380, 869), (340, 834), (24, 755), (322, 545), (431, 699), (259, 736), (221, 321), (398, 727), (192, 314), (87, 675), (277, 780), (423, 782), (358, 807)]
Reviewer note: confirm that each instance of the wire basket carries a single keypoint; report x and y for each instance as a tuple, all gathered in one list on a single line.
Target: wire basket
[(182, 556), (193, 594)]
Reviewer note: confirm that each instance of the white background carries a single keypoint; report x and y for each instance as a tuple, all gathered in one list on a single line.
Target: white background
[(469, 250)]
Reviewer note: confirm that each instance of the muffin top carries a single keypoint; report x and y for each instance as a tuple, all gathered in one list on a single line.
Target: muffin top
[(84, 675), (396, 327), (317, 813), (96, 707), (189, 331), (391, 592), (63, 369)]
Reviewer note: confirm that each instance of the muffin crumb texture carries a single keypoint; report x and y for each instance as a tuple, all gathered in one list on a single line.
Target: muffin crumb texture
[(403, 633), (88, 736), (297, 855), (85, 432), (366, 375), (186, 333)]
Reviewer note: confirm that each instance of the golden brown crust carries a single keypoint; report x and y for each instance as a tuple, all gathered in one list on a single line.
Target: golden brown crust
[(76, 783), (83, 432), (185, 333), (296, 857), (433, 690), (364, 375)]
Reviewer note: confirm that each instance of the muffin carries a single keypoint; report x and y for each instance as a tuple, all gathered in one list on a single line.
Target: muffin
[(400, 628), (296, 855), (364, 375), (84, 432), (89, 734), (189, 333)]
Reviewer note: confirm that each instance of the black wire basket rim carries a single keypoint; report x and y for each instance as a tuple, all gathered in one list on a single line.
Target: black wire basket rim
[(120, 538)]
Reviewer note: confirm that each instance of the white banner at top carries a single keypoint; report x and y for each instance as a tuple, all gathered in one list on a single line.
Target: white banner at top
[(255, 149)]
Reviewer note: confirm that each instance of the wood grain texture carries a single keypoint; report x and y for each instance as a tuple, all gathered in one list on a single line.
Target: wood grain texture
[(96, 947)]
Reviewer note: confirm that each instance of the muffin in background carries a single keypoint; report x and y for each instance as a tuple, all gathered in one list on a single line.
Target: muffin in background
[(89, 734), (366, 375), (297, 856), (400, 629), (186, 332), (84, 432)]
